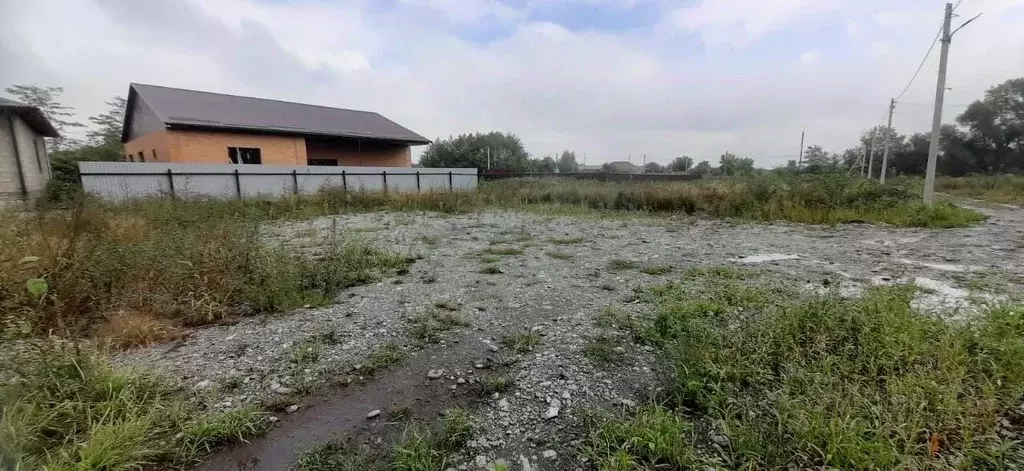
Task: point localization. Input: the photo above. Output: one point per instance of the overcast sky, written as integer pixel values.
(605, 78)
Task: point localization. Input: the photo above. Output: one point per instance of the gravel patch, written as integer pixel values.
(599, 263)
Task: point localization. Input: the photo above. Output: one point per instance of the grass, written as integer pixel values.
(384, 357)
(69, 409)
(503, 251)
(803, 381)
(522, 342)
(557, 255)
(1006, 189)
(420, 448)
(491, 269)
(567, 240)
(429, 325)
(651, 438)
(308, 352)
(619, 264)
(602, 350)
(490, 384)
(489, 259)
(447, 305)
(719, 273)
(656, 270)
(614, 318)
(133, 275)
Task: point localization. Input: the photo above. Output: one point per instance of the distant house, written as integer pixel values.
(165, 124)
(24, 163)
(589, 168)
(623, 166)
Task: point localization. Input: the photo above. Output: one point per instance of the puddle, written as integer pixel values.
(761, 258)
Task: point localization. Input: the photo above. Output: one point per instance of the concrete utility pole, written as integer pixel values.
(863, 161)
(940, 94)
(888, 137)
(488, 158)
(800, 160)
(871, 156)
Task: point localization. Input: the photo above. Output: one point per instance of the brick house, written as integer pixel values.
(165, 124)
(24, 163)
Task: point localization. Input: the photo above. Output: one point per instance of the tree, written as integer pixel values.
(680, 164)
(653, 167)
(702, 168)
(545, 165)
(46, 99)
(108, 125)
(471, 150)
(567, 162)
(995, 127)
(819, 161)
(730, 164)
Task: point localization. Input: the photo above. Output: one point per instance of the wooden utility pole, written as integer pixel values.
(888, 137)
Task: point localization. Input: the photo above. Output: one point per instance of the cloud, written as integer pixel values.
(703, 79)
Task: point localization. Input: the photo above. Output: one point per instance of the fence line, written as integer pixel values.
(130, 180)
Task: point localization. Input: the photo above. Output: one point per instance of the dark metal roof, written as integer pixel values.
(194, 109)
(31, 115)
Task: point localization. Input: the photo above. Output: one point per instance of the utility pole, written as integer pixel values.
(488, 157)
(888, 137)
(871, 155)
(800, 160)
(940, 95)
(863, 161)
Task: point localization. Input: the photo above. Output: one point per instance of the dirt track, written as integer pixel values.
(556, 297)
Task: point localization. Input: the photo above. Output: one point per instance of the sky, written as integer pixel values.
(609, 80)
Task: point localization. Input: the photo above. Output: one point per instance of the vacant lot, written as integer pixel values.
(524, 315)
(526, 326)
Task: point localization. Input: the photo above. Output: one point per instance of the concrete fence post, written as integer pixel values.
(344, 181)
(238, 184)
(417, 181)
(295, 182)
(384, 179)
(451, 181)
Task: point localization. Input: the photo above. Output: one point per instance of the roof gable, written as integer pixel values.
(32, 116)
(177, 107)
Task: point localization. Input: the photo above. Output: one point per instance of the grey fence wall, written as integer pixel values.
(123, 180)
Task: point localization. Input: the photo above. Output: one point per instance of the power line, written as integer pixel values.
(923, 60)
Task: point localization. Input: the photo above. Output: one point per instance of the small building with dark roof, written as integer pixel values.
(24, 163)
(164, 124)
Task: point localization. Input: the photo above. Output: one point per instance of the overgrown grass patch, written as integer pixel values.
(492, 383)
(1006, 189)
(491, 269)
(68, 409)
(429, 325)
(805, 381)
(133, 274)
(522, 342)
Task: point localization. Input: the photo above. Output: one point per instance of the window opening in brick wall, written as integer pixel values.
(245, 155)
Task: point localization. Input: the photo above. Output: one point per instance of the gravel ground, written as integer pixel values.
(555, 288)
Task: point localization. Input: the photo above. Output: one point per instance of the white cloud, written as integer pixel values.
(810, 57)
(605, 94)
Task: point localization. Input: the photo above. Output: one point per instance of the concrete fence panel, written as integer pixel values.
(125, 180)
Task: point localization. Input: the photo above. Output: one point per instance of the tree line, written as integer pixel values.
(988, 137)
(503, 152)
